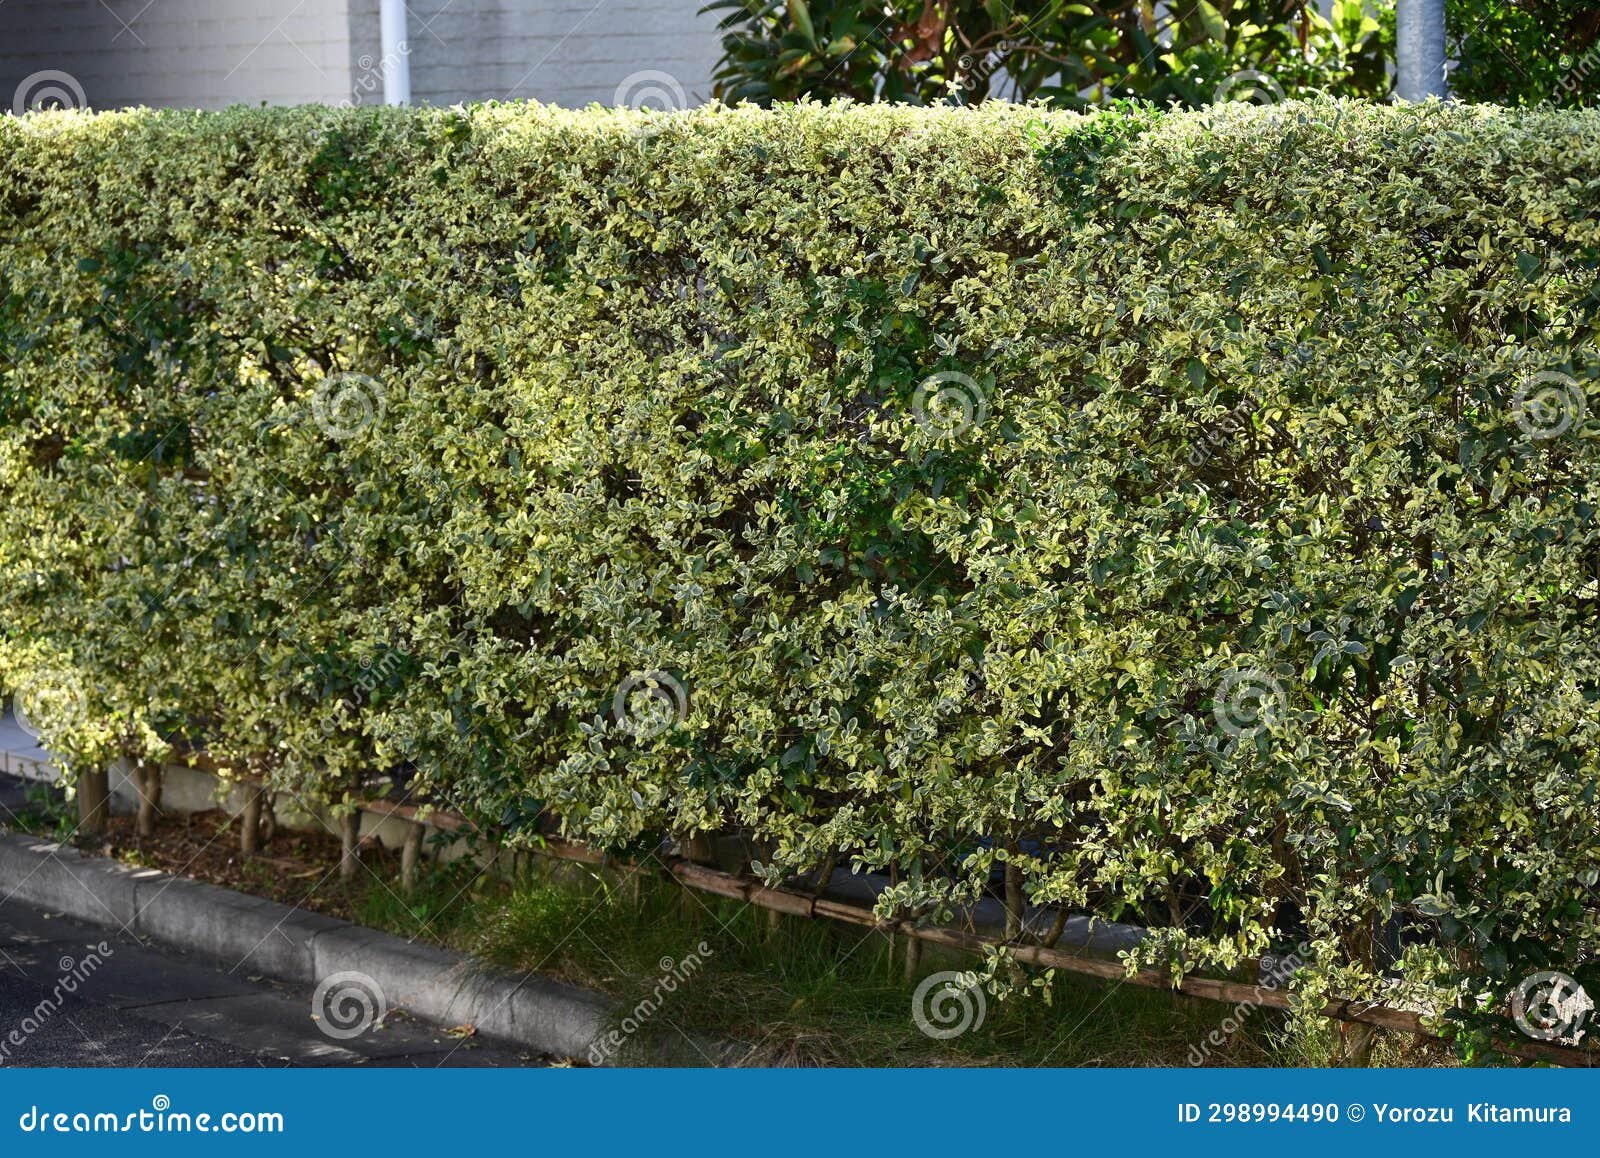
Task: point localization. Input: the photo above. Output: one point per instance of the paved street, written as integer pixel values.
(73, 1004)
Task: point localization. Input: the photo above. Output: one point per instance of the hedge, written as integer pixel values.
(1188, 518)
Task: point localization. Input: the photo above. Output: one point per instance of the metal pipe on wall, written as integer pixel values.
(396, 52)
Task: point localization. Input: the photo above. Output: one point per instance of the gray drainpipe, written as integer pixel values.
(396, 52)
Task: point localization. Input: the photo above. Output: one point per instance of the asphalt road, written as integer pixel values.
(73, 994)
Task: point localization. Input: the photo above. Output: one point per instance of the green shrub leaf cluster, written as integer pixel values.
(1188, 517)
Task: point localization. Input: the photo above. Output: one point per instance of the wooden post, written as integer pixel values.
(1355, 1038)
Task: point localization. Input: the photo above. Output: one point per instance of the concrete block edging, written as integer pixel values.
(260, 936)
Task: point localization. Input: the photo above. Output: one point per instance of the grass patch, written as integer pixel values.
(45, 813)
(800, 992)
(793, 991)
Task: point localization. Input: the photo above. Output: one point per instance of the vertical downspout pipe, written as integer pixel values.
(1419, 49)
(396, 52)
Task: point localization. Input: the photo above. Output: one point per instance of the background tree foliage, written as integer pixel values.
(1525, 53)
(1074, 55)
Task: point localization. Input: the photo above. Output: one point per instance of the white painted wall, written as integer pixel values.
(184, 53)
(566, 52)
(212, 53)
(184, 790)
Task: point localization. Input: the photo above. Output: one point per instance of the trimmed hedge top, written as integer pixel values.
(1192, 513)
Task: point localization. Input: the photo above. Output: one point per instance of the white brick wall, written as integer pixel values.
(210, 53)
(195, 53)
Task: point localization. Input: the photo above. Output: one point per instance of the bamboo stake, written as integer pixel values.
(1208, 988)
(421, 813)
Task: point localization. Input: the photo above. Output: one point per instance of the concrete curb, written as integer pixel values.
(260, 936)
